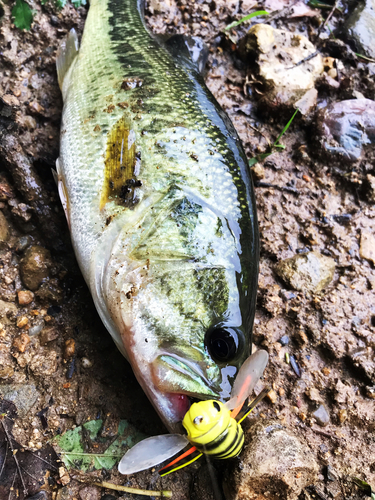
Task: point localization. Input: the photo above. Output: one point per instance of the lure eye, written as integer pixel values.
(223, 343)
(216, 406)
(198, 420)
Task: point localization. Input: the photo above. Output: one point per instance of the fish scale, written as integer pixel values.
(165, 231)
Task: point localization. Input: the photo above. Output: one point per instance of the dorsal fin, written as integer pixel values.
(66, 54)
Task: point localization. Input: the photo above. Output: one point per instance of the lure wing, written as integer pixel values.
(249, 374)
(150, 452)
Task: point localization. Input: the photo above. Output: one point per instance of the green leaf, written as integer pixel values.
(284, 130)
(60, 4)
(23, 15)
(73, 453)
(365, 486)
(246, 18)
(78, 3)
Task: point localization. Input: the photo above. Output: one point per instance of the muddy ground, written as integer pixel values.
(52, 341)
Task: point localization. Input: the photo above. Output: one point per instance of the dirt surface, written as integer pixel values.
(51, 339)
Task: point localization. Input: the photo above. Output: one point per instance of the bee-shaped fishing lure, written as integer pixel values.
(211, 426)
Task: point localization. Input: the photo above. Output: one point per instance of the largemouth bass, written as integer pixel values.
(159, 200)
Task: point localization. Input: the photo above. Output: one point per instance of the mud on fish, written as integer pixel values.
(159, 200)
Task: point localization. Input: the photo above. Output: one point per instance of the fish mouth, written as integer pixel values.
(176, 384)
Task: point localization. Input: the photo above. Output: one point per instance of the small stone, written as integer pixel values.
(48, 334)
(44, 364)
(282, 391)
(69, 348)
(7, 310)
(301, 337)
(272, 396)
(343, 415)
(86, 363)
(89, 493)
(22, 321)
(370, 188)
(50, 291)
(34, 266)
(326, 371)
(258, 171)
(270, 460)
(370, 392)
(360, 27)
(25, 297)
(307, 103)
(284, 340)
(302, 416)
(321, 416)
(21, 342)
(4, 228)
(314, 395)
(367, 247)
(23, 396)
(309, 271)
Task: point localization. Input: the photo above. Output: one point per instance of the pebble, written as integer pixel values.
(276, 52)
(22, 321)
(345, 127)
(360, 27)
(22, 395)
(86, 363)
(367, 246)
(44, 364)
(21, 342)
(343, 415)
(274, 459)
(321, 416)
(7, 310)
(25, 297)
(69, 348)
(36, 328)
(89, 493)
(284, 340)
(272, 396)
(48, 334)
(370, 392)
(309, 271)
(370, 188)
(34, 266)
(4, 228)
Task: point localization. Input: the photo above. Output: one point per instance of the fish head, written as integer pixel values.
(183, 317)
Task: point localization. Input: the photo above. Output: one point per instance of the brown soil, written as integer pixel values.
(331, 335)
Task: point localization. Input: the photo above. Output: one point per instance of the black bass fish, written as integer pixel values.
(158, 196)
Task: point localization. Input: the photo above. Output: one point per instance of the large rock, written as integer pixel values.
(277, 53)
(274, 464)
(345, 127)
(360, 27)
(309, 271)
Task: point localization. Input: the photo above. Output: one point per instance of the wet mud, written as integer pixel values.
(58, 364)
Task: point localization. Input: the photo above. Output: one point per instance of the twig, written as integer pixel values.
(311, 56)
(280, 13)
(135, 491)
(279, 188)
(45, 461)
(328, 18)
(25, 492)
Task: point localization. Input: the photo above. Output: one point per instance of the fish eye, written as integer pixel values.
(198, 420)
(216, 405)
(223, 343)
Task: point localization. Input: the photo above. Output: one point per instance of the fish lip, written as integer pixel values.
(190, 370)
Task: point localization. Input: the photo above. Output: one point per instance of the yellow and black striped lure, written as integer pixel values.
(211, 426)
